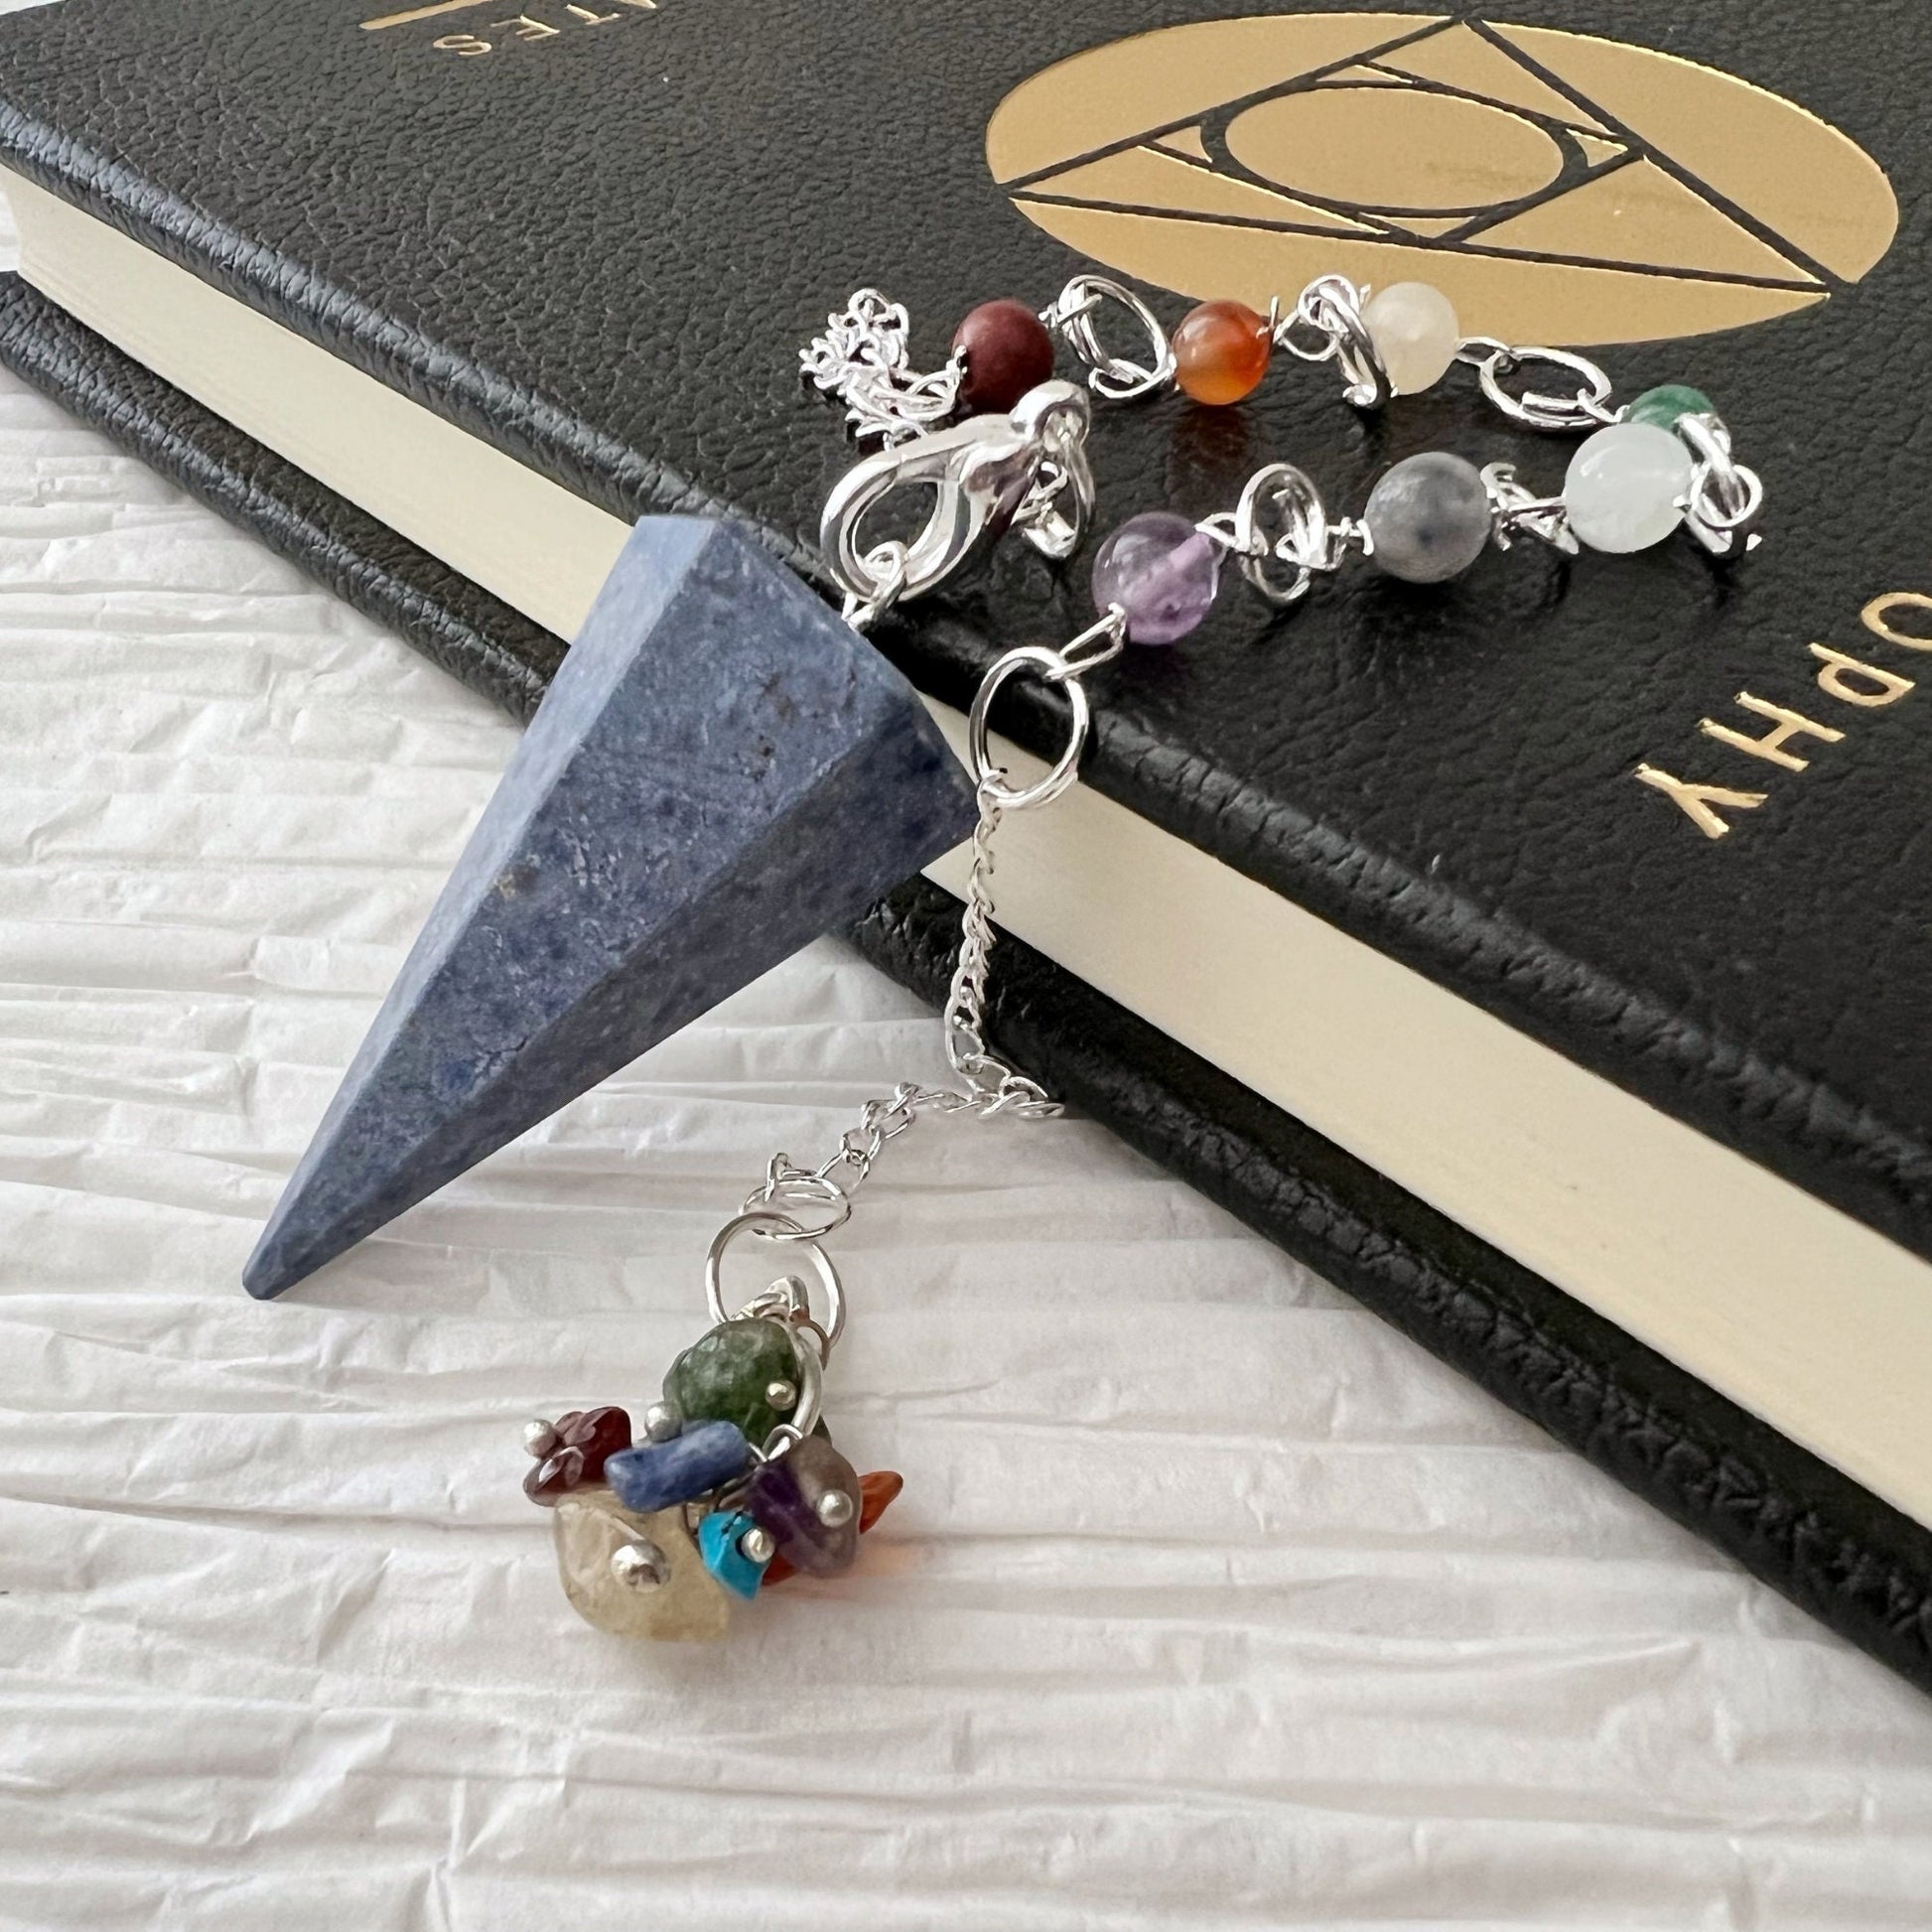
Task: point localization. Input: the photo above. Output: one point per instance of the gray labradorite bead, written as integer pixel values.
(722, 771)
(1428, 518)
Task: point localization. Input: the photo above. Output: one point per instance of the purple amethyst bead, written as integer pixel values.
(788, 1498)
(1161, 572)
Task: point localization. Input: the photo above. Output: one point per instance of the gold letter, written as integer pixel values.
(467, 46)
(526, 28)
(1697, 800)
(1771, 745)
(1875, 613)
(1887, 687)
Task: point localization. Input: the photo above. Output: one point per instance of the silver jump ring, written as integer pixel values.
(1332, 305)
(811, 1386)
(1305, 543)
(1586, 407)
(1066, 767)
(1115, 377)
(785, 1194)
(776, 1226)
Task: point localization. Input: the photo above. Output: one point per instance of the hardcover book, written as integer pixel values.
(1506, 949)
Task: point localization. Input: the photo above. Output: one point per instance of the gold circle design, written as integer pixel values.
(1394, 148)
(1557, 187)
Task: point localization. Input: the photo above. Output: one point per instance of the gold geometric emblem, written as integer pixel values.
(1557, 187)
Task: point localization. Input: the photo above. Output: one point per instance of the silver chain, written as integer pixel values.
(817, 1200)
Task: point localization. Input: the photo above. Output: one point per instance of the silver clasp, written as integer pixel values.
(1027, 470)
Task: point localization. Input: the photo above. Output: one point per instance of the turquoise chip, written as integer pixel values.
(720, 1536)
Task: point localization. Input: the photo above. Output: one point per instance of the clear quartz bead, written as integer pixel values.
(1416, 334)
(684, 1604)
(1627, 488)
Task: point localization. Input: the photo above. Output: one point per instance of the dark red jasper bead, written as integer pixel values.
(555, 1474)
(1007, 352)
(595, 1433)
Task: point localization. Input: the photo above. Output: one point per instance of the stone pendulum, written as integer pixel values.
(722, 770)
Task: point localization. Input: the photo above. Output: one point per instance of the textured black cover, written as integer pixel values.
(602, 251)
(1861, 1566)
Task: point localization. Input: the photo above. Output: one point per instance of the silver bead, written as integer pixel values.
(662, 1421)
(781, 1394)
(541, 1439)
(640, 1564)
(755, 1545)
(835, 1509)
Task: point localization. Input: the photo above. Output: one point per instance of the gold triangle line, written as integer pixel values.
(1372, 238)
(1492, 218)
(1424, 84)
(1354, 222)
(420, 12)
(1021, 182)
(1777, 243)
(1407, 238)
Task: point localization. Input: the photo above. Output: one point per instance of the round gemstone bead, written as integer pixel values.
(1428, 518)
(1663, 405)
(783, 1495)
(1161, 572)
(1222, 351)
(1414, 332)
(1626, 486)
(728, 1376)
(1007, 352)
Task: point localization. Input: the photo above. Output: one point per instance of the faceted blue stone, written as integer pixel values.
(657, 1475)
(722, 771)
(718, 1536)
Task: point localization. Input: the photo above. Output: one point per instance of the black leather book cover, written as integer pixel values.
(596, 235)
(1861, 1566)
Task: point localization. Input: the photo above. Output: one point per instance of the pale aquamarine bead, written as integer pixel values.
(1627, 488)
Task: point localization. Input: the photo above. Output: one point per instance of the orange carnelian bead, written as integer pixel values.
(1222, 351)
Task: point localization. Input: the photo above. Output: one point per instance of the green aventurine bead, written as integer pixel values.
(1663, 405)
(724, 1376)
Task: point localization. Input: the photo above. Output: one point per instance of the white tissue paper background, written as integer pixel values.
(1211, 1602)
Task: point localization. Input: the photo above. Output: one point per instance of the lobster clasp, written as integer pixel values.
(1026, 471)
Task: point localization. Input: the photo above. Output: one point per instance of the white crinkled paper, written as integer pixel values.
(1211, 1602)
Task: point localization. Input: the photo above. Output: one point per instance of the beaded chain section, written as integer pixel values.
(732, 1483)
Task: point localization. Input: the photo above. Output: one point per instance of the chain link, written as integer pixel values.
(818, 1200)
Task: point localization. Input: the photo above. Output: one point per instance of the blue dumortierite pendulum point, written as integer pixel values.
(722, 771)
